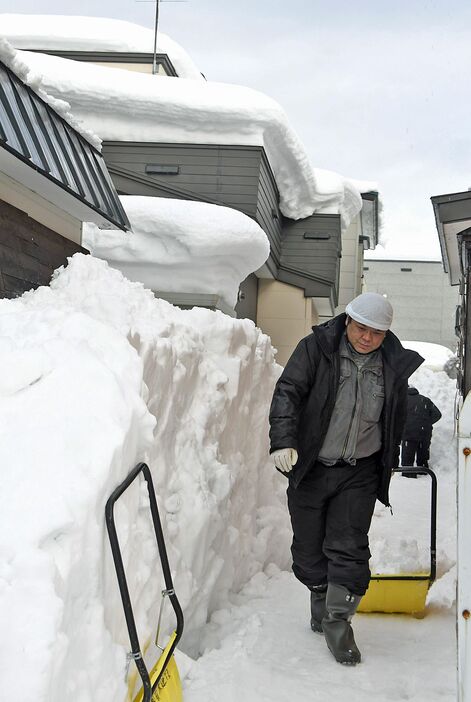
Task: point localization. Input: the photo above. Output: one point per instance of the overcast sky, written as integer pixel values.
(376, 89)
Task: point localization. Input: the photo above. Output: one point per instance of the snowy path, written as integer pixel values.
(269, 653)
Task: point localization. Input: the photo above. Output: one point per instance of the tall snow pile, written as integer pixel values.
(97, 374)
(182, 246)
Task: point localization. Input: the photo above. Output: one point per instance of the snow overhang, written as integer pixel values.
(39, 149)
(452, 217)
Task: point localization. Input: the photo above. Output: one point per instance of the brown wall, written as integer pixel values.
(29, 252)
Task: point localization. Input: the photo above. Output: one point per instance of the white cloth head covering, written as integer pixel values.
(371, 309)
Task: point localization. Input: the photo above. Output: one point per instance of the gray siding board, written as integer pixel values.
(316, 257)
(228, 156)
(204, 178)
(267, 204)
(193, 172)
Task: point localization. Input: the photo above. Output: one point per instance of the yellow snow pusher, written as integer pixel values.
(162, 683)
(405, 592)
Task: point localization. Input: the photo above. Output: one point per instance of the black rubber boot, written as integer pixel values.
(341, 605)
(318, 610)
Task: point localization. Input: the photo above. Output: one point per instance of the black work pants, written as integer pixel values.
(415, 452)
(331, 511)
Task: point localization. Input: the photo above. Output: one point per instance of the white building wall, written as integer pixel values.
(424, 302)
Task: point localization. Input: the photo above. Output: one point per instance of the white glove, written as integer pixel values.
(284, 459)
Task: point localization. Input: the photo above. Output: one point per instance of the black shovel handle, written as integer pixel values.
(433, 513)
(136, 652)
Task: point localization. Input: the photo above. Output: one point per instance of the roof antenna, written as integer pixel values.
(154, 60)
(156, 26)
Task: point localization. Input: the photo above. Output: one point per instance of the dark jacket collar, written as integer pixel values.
(403, 361)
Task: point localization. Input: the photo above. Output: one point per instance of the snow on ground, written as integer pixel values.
(267, 652)
(71, 33)
(96, 375)
(129, 106)
(182, 246)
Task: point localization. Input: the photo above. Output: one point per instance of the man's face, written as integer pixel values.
(364, 339)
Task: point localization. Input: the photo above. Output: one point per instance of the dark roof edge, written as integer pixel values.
(112, 57)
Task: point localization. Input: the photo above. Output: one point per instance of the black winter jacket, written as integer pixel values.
(421, 415)
(305, 394)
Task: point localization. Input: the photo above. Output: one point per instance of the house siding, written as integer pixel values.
(313, 246)
(29, 252)
(237, 177)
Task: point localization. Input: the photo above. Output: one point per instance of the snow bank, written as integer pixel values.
(96, 375)
(11, 58)
(437, 357)
(71, 33)
(182, 246)
(125, 106)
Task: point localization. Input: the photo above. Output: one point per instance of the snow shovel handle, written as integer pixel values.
(433, 514)
(136, 653)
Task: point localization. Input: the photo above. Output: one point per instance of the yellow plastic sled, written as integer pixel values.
(162, 684)
(406, 592)
(168, 688)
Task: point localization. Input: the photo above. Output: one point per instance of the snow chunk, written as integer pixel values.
(72, 33)
(182, 246)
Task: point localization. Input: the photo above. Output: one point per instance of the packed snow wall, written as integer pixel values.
(97, 375)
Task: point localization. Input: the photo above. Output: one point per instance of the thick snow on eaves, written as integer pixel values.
(181, 246)
(12, 59)
(341, 195)
(129, 106)
(69, 33)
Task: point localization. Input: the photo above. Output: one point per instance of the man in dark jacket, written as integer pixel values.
(417, 435)
(336, 419)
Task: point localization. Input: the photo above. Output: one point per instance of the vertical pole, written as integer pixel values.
(156, 26)
(463, 600)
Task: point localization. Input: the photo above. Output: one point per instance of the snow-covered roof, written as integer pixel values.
(11, 58)
(64, 32)
(178, 246)
(137, 107)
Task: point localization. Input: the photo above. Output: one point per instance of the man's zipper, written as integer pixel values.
(352, 417)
